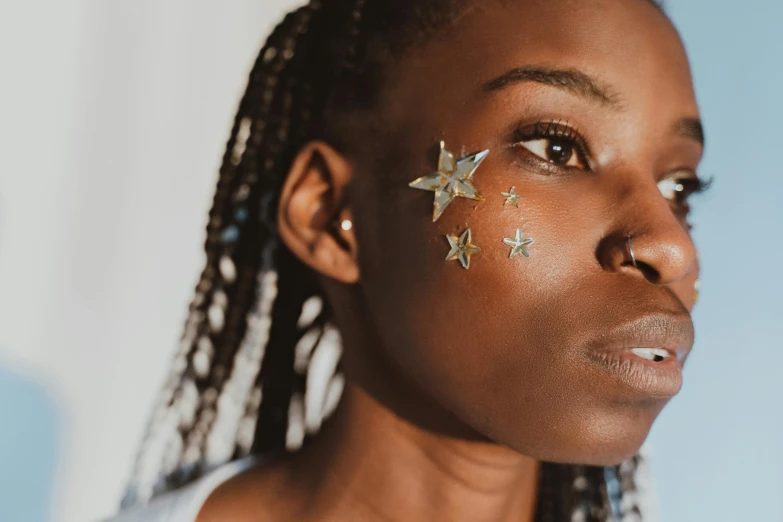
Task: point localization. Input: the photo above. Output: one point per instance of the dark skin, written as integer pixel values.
(460, 382)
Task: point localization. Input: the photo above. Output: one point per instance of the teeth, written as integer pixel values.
(652, 354)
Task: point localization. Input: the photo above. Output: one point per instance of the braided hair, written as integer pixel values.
(256, 368)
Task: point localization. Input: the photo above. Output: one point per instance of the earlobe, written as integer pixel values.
(313, 207)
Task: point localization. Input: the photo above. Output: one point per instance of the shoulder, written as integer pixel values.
(258, 494)
(184, 505)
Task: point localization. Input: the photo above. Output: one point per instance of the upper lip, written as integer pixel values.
(672, 332)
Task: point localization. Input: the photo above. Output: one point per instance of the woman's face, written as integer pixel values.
(588, 111)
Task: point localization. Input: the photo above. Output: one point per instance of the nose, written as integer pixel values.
(648, 238)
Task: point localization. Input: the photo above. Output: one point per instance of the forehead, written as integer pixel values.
(628, 45)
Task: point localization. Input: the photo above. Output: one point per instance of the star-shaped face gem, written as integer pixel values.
(462, 248)
(511, 197)
(453, 179)
(518, 245)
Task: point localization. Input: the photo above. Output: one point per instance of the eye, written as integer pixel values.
(679, 186)
(554, 142)
(671, 189)
(559, 151)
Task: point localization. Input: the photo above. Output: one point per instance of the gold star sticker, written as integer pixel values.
(453, 179)
(511, 197)
(462, 248)
(518, 245)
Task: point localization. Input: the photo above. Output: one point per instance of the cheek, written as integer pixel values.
(495, 344)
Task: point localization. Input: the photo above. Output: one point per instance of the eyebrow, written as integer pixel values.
(572, 80)
(690, 128)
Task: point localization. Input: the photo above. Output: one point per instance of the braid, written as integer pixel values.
(256, 370)
(232, 305)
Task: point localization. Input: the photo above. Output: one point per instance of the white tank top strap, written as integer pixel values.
(184, 505)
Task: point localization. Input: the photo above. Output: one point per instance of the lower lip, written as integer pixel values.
(653, 379)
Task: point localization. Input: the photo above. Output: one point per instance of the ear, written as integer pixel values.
(313, 205)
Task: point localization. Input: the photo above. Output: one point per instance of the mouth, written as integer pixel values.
(652, 354)
(647, 354)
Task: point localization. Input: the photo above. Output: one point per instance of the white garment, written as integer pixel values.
(184, 505)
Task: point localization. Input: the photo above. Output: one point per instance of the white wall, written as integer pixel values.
(113, 117)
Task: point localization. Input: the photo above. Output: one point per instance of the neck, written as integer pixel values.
(370, 464)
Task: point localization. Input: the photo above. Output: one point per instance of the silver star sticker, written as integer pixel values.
(518, 245)
(462, 248)
(511, 197)
(453, 179)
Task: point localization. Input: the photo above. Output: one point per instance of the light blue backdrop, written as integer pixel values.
(718, 446)
(29, 432)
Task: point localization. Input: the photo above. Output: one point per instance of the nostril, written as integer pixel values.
(650, 273)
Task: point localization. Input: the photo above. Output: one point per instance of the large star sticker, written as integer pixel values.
(518, 245)
(453, 179)
(462, 248)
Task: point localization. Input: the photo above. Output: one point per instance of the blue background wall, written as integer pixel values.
(29, 435)
(718, 447)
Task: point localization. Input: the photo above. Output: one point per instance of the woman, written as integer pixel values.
(483, 206)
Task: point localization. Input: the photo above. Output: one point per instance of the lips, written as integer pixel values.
(647, 353)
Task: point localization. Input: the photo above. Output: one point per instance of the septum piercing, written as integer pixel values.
(630, 252)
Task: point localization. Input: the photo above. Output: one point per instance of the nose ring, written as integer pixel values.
(630, 252)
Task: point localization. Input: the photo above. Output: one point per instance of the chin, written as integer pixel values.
(604, 438)
(616, 434)
(608, 450)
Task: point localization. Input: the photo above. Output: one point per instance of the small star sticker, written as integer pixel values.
(453, 179)
(511, 197)
(462, 248)
(518, 245)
